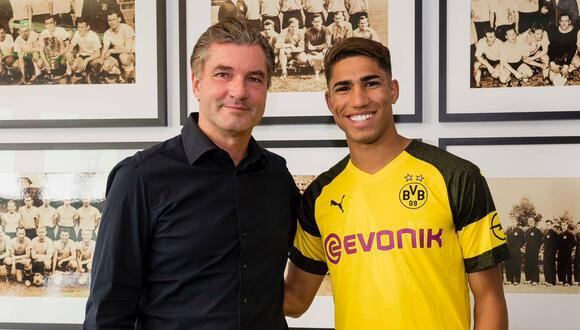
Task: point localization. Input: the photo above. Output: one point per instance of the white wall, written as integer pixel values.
(537, 312)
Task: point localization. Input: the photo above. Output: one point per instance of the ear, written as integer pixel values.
(328, 99)
(195, 85)
(394, 91)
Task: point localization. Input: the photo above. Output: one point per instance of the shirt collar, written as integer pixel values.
(196, 143)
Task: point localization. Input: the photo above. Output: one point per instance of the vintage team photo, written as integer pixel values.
(301, 31)
(541, 218)
(44, 42)
(525, 43)
(49, 224)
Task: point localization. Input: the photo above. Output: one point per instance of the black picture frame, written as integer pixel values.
(157, 110)
(487, 113)
(415, 117)
(482, 141)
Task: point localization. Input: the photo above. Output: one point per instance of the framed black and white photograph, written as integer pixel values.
(300, 32)
(306, 159)
(61, 186)
(535, 183)
(109, 56)
(496, 53)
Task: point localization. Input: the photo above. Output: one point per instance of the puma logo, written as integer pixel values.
(334, 203)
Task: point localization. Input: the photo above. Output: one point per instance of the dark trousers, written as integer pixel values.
(526, 20)
(513, 268)
(30, 233)
(565, 268)
(550, 268)
(577, 264)
(531, 267)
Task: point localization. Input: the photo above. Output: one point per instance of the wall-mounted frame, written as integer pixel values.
(305, 160)
(37, 161)
(308, 106)
(544, 170)
(57, 171)
(459, 102)
(139, 103)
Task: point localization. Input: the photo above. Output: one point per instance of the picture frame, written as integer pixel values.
(521, 157)
(141, 103)
(544, 170)
(321, 155)
(54, 310)
(310, 107)
(459, 102)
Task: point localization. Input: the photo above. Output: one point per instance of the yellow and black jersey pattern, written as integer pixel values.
(398, 243)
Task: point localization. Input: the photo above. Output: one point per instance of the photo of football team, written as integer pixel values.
(541, 220)
(47, 245)
(301, 31)
(524, 43)
(44, 42)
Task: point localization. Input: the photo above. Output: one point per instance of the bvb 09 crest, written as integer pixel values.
(414, 194)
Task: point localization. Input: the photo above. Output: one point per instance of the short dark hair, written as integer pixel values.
(82, 20)
(268, 22)
(488, 29)
(315, 16)
(550, 221)
(52, 17)
(536, 26)
(351, 47)
(230, 31)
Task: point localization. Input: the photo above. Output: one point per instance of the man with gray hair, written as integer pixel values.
(196, 230)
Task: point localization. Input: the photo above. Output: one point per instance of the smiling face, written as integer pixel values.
(231, 90)
(360, 97)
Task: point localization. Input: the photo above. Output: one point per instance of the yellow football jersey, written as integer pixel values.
(398, 243)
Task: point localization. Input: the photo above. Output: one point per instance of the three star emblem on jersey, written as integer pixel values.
(414, 194)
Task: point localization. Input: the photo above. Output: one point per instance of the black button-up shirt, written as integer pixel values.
(190, 241)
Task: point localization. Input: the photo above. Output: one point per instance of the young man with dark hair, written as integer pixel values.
(566, 242)
(291, 46)
(96, 12)
(512, 61)
(118, 54)
(7, 56)
(549, 257)
(195, 231)
(317, 41)
(399, 224)
(534, 241)
(563, 49)
(487, 56)
(535, 46)
(84, 51)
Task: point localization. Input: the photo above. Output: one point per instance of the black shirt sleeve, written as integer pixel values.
(121, 248)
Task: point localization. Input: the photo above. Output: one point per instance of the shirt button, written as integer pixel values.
(244, 266)
(245, 300)
(244, 235)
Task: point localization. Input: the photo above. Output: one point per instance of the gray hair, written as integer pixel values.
(230, 31)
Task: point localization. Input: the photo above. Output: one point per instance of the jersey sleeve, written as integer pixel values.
(307, 252)
(478, 226)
